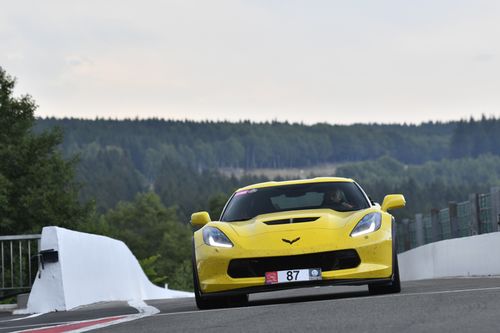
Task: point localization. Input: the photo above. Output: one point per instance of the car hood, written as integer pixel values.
(261, 237)
(300, 220)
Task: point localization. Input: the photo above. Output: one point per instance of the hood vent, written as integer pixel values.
(292, 220)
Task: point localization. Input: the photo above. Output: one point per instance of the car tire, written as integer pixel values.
(214, 302)
(394, 286)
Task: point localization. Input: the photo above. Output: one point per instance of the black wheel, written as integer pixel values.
(394, 286)
(214, 302)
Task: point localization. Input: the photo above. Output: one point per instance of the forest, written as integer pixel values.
(180, 160)
(208, 144)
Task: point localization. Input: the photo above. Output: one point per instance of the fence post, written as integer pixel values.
(452, 206)
(406, 234)
(419, 230)
(474, 206)
(495, 208)
(436, 227)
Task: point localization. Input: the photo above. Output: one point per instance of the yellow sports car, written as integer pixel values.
(290, 234)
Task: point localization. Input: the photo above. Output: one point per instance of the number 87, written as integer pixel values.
(290, 277)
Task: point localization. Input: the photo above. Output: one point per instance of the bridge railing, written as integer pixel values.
(478, 215)
(19, 262)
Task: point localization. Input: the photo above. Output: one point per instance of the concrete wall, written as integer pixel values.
(467, 256)
(90, 269)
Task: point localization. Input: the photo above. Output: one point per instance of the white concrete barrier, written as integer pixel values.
(467, 256)
(90, 269)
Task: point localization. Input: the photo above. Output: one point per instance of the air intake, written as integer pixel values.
(292, 220)
(327, 261)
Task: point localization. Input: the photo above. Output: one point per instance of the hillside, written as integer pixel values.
(253, 145)
(187, 162)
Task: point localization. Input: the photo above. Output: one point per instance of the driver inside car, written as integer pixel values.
(336, 198)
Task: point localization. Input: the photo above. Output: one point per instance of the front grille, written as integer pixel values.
(292, 220)
(327, 261)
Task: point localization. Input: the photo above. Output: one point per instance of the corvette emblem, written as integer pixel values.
(290, 241)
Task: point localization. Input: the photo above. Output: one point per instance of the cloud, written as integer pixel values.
(484, 57)
(332, 61)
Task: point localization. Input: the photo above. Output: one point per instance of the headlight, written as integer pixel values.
(369, 223)
(214, 237)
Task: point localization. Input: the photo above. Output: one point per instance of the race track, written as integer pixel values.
(444, 305)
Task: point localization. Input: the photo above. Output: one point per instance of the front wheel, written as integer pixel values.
(392, 287)
(214, 302)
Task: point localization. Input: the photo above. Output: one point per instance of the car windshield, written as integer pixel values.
(339, 196)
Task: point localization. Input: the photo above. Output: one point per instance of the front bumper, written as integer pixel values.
(295, 285)
(374, 251)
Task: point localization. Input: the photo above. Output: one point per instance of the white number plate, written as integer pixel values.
(293, 275)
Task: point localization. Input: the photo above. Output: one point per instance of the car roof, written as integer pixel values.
(296, 182)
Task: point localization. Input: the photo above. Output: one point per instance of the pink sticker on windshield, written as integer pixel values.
(245, 192)
(241, 193)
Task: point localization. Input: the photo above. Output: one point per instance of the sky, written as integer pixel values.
(308, 61)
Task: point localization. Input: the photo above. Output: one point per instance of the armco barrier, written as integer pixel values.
(79, 269)
(466, 256)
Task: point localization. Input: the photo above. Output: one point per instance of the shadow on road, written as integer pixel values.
(308, 298)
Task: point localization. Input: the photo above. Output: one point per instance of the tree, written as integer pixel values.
(216, 205)
(112, 172)
(153, 233)
(37, 186)
(4, 190)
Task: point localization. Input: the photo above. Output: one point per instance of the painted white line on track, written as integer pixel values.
(338, 299)
(37, 325)
(26, 317)
(144, 310)
(48, 326)
(446, 291)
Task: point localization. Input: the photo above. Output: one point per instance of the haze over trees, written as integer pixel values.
(426, 186)
(473, 138)
(205, 145)
(180, 160)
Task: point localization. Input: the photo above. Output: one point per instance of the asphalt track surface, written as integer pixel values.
(442, 305)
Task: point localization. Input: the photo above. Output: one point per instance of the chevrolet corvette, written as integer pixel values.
(291, 234)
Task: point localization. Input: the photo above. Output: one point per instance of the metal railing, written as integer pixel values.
(479, 215)
(484, 213)
(19, 261)
(427, 229)
(464, 212)
(444, 222)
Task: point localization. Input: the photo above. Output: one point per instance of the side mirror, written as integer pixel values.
(199, 219)
(393, 201)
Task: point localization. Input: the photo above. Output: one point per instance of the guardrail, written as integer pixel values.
(19, 261)
(478, 215)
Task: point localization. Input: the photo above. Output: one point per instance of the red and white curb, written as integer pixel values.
(93, 324)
